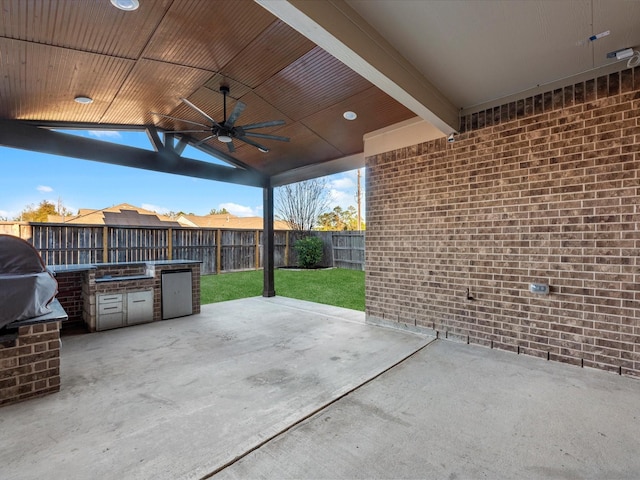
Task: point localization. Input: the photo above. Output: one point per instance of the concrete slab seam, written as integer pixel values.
(315, 412)
(315, 312)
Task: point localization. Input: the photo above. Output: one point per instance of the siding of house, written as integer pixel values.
(543, 190)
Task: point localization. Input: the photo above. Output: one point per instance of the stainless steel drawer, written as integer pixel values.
(106, 321)
(109, 308)
(109, 298)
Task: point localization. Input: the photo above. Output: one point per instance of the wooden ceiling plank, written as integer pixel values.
(88, 26)
(337, 28)
(205, 34)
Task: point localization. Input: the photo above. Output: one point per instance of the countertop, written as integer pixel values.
(93, 266)
(56, 313)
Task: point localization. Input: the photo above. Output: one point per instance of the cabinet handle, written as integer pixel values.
(138, 301)
(110, 308)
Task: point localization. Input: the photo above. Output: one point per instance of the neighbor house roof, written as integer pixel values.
(121, 215)
(227, 220)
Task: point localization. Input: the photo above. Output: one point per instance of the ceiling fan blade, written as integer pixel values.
(251, 142)
(179, 119)
(231, 147)
(187, 131)
(200, 112)
(271, 123)
(267, 136)
(203, 140)
(237, 110)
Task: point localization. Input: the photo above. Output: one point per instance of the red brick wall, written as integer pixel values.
(542, 190)
(30, 364)
(70, 295)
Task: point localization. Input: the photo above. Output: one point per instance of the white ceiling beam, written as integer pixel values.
(341, 31)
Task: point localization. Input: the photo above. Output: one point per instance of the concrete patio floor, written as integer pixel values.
(281, 388)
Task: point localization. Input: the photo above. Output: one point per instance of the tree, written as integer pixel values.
(222, 211)
(42, 211)
(338, 219)
(175, 215)
(300, 204)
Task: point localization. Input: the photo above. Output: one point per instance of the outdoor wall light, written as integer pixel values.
(126, 5)
(451, 138)
(83, 100)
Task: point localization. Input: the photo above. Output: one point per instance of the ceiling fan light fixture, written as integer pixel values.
(126, 5)
(349, 115)
(225, 138)
(263, 150)
(83, 100)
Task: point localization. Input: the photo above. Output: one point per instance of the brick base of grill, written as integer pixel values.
(29, 361)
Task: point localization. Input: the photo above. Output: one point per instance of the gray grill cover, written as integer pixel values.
(26, 287)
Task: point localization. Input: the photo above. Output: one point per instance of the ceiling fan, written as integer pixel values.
(226, 131)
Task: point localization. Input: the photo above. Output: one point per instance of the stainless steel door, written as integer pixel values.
(176, 294)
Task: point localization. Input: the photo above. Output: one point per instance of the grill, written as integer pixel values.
(26, 287)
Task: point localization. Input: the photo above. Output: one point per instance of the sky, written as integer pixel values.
(28, 178)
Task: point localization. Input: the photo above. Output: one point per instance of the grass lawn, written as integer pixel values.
(336, 286)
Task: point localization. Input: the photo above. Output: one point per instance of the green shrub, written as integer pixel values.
(309, 250)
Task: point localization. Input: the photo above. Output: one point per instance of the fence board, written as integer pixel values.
(348, 250)
(196, 244)
(69, 244)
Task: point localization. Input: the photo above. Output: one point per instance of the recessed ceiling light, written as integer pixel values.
(84, 100)
(126, 5)
(263, 150)
(350, 115)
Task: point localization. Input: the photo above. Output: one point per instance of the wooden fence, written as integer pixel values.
(219, 250)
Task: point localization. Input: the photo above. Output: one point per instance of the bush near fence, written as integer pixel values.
(219, 250)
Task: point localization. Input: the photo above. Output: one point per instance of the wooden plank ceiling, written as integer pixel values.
(134, 63)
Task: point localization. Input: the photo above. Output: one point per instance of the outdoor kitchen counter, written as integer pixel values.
(57, 314)
(80, 285)
(83, 267)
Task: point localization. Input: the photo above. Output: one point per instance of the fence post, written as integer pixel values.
(170, 244)
(105, 244)
(257, 255)
(25, 232)
(218, 250)
(286, 248)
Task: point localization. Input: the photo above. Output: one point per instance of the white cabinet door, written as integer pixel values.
(139, 307)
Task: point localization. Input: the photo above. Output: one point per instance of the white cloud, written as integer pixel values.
(104, 134)
(155, 208)
(343, 183)
(340, 197)
(44, 189)
(238, 210)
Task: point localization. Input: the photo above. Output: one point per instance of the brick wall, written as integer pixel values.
(195, 286)
(30, 362)
(70, 296)
(542, 190)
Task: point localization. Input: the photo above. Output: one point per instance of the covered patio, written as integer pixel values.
(281, 388)
(501, 142)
